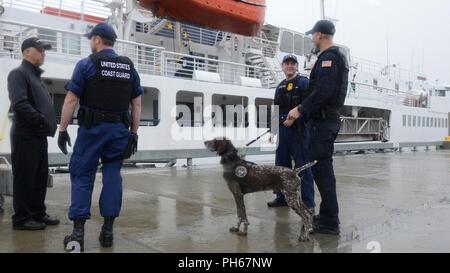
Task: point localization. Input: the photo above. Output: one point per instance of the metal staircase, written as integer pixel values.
(268, 78)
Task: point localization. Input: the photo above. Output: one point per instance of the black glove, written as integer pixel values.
(63, 139)
(131, 147)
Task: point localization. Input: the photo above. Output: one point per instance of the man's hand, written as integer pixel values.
(288, 123)
(294, 114)
(63, 139)
(132, 146)
(134, 141)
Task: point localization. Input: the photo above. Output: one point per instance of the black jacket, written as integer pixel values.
(30, 101)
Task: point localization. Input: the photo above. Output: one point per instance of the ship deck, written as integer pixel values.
(400, 201)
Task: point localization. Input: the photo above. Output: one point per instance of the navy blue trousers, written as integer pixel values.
(106, 141)
(293, 145)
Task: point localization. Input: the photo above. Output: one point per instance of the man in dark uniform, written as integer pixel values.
(34, 120)
(328, 90)
(290, 93)
(106, 84)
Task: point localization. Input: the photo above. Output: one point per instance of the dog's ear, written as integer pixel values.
(221, 146)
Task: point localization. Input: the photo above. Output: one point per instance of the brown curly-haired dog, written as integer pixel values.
(245, 177)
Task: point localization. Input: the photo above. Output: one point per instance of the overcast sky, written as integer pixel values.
(417, 32)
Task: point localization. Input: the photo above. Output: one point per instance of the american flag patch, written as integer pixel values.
(327, 63)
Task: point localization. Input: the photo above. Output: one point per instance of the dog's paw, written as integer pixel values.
(234, 230)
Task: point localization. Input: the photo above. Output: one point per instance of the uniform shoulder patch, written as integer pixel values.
(327, 64)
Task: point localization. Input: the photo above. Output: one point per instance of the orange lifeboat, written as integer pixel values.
(245, 17)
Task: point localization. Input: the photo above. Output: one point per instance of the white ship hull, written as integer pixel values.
(371, 95)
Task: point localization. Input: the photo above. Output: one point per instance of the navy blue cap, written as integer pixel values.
(290, 57)
(324, 27)
(103, 30)
(36, 43)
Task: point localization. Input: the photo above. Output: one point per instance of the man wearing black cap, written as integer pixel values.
(290, 93)
(105, 84)
(34, 120)
(328, 89)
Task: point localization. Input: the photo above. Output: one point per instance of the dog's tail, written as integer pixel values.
(305, 167)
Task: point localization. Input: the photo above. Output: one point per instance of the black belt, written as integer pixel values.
(107, 117)
(92, 118)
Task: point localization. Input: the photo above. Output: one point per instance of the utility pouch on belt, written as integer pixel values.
(84, 117)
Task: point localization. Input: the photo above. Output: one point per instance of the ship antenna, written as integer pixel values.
(322, 9)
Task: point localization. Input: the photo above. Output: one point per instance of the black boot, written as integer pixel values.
(76, 236)
(106, 235)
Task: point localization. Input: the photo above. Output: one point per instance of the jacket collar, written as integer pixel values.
(36, 70)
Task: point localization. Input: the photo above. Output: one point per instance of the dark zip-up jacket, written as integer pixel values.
(30, 101)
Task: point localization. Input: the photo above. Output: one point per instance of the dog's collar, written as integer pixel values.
(229, 153)
(230, 156)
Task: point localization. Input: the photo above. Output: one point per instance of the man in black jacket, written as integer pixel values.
(34, 120)
(328, 85)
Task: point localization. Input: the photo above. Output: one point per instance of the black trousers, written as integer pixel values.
(323, 135)
(30, 174)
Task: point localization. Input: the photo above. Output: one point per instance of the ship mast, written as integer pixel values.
(322, 9)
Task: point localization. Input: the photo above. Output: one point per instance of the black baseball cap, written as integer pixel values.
(324, 27)
(103, 30)
(36, 43)
(290, 57)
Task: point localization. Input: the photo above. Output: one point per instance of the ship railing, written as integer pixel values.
(63, 8)
(390, 71)
(361, 126)
(185, 66)
(380, 94)
(269, 48)
(202, 35)
(69, 46)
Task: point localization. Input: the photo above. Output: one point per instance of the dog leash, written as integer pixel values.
(258, 138)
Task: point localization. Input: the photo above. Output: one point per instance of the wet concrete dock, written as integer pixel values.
(394, 202)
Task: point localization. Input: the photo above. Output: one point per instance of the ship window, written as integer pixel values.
(58, 101)
(435, 122)
(71, 44)
(423, 121)
(404, 120)
(287, 42)
(409, 121)
(414, 121)
(439, 123)
(397, 86)
(419, 119)
(229, 111)
(428, 121)
(189, 109)
(446, 123)
(263, 112)
(309, 46)
(199, 64)
(150, 110)
(432, 122)
(213, 66)
(299, 48)
(48, 36)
